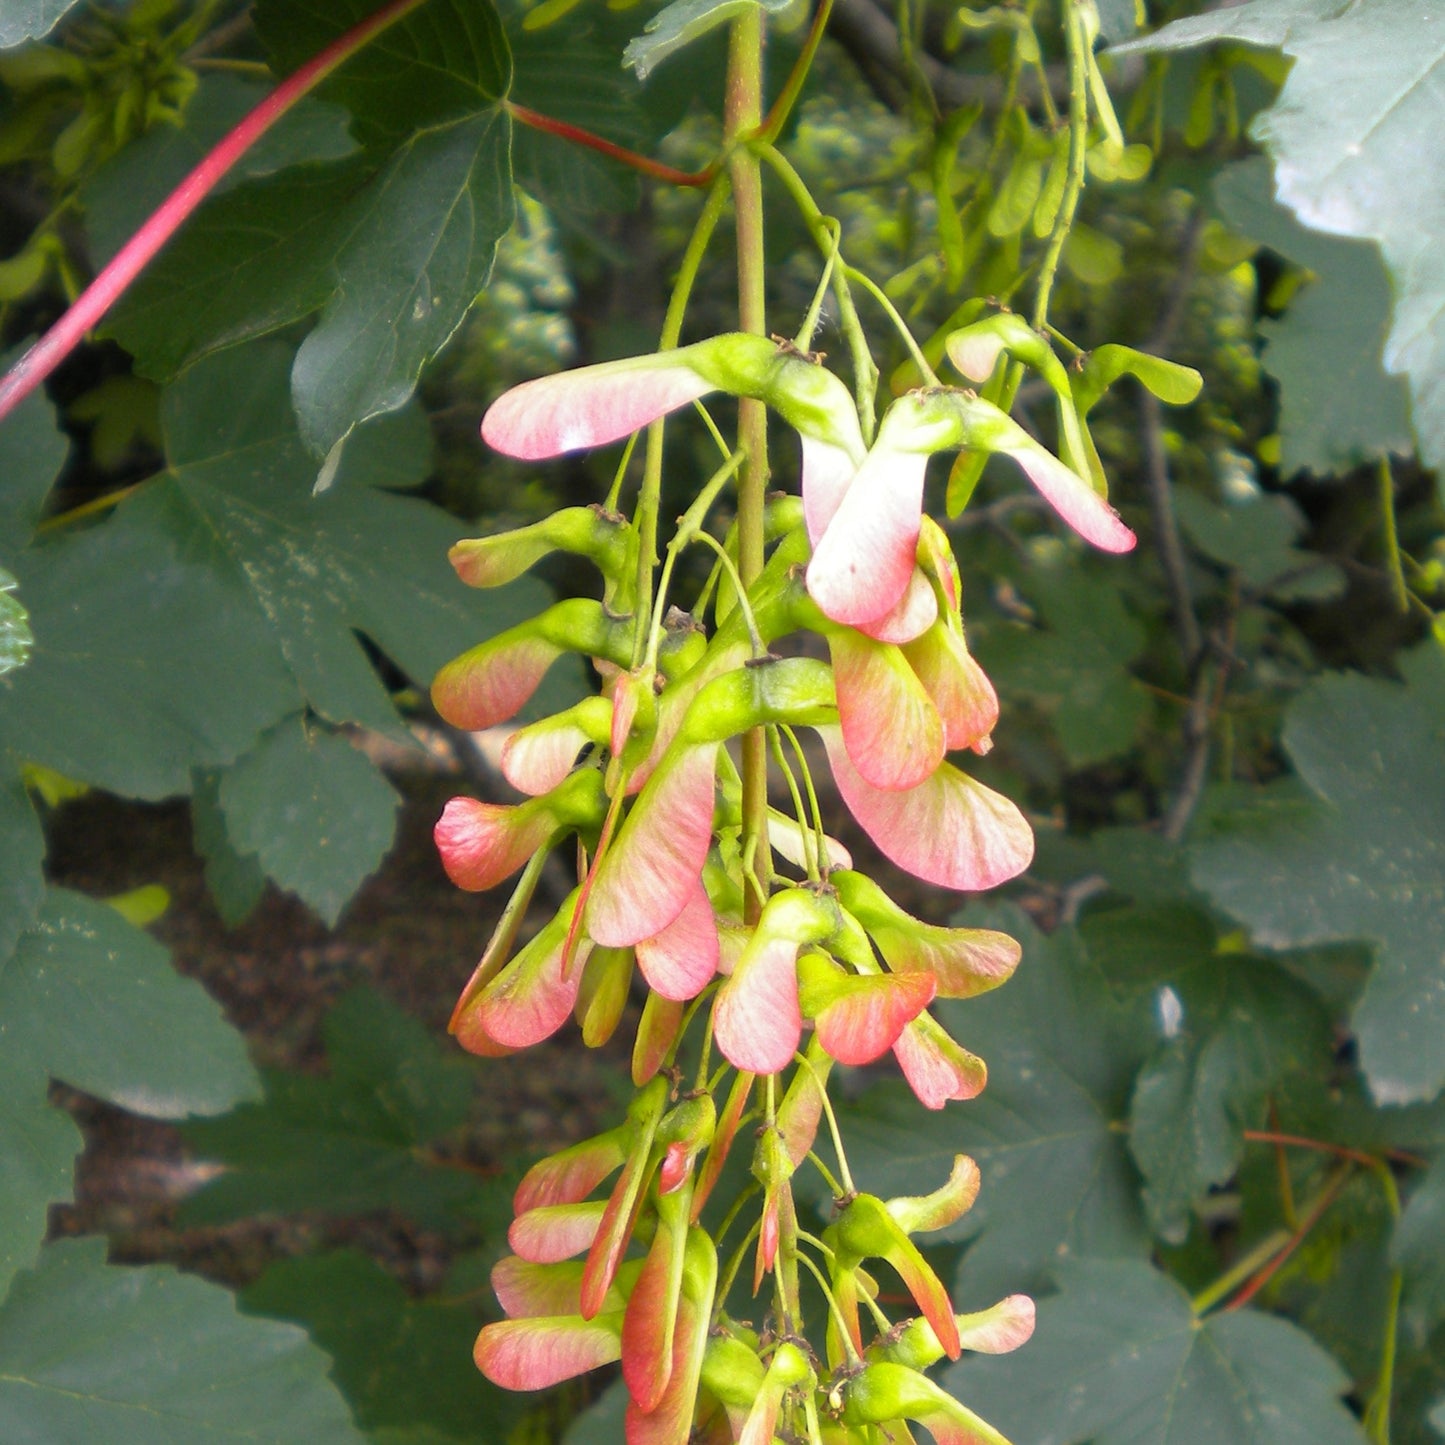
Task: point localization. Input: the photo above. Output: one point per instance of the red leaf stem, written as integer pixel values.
(136, 254)
(1312, 1217)
(649, 167)
(1321, 1146)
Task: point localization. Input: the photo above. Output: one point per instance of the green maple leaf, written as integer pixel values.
(1073, 667)
(78, 1002)
(1332, 417)
(79, 1360)
(390, 246)
(1120, 1358)
(1360, 855)
(1047, 1132)
(352, 1141)
(1355, 168)
(1233, 1028)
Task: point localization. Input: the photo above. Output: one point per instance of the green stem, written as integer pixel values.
(865, 372)
(1310, 1217)
(787, 97)
(930, 377)
(833, 1308)
(825, 858)
(1393, 561)
(742, 117)
(689, 530)
(755, 637)
(1078, 151)
(849, 1189)
(649, 496)
(811, 862)
(1377, 1411)
(1240, 1271)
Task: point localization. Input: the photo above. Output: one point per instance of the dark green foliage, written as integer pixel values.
(1260, 956)
(360, 1139)
(91, 1351)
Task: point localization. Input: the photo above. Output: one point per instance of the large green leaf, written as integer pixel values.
(22, 850)
(1047, 1132)
(403, 1362)
(1418, 1244)
(22, 20)
(391, 246)
(1254, 537)
(119, 197)
(351, 1142)
(1120, 1358)
(146, 662)
(313, 811)
(1356, 140)
(38, 1145)
(313, 569)
(1232, 1028)
(16, 638)
(1073, 667)
(413, 253)
(574, 79)
(94, 1001)
(32, 448)
(92, 1352)
(448, 59)
(1338, 406)
(1363, 859)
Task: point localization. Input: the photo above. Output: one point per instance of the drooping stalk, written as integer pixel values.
(742, 115)
(137, 253)
(650, 494)
(1078, 152)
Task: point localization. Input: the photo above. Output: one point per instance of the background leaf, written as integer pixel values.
(1073, 667)
(153, 1357)
(22, 850)
(1417, 1245)
(1352, 170)
(391, 246)
(1253, 537)
(312, 810)
(403, 1362)
(1338, 405)
(24, 20)
(1120, 1357)
(38, 1145)
(351, 1142)
(1365, 861)
(16, 638)
(77, 1003)
(1046, 1132)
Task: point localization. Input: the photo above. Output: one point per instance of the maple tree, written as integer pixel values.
(1210, 1151)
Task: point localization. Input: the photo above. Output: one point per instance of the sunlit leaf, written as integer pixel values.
(1338, 406)
(80, 1001)
(23, 20)
(1355, 170)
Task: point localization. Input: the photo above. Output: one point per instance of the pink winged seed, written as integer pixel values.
(573, 410)
(950, 830)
